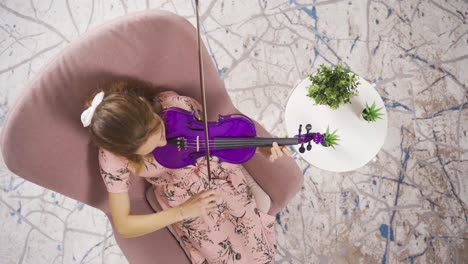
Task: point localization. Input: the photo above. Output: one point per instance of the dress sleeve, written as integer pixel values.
(114, 172)
(173, 99)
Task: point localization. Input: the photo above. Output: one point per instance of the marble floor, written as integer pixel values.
(409, 206)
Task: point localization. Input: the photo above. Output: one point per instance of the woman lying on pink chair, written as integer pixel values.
(226, 223)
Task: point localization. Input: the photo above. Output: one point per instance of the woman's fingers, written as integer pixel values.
(212, 206)
(273, 154)
(209, 193)
(286, 150)
(212, 199)
(279, 150)
(276, 150)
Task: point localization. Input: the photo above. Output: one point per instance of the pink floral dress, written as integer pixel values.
(236, 232)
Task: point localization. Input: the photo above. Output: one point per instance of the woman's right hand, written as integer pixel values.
(200, 204)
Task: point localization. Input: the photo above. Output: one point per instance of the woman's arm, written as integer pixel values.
(137, 225)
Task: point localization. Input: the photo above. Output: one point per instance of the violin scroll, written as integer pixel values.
(307, 138)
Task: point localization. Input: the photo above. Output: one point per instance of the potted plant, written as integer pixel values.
(330, 139)
(371, 113)
(333, 86)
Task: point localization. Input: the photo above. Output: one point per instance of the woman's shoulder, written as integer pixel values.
(166, 94)
(109, 161)
(107, 158)
(114, 171)
(171, 96)
(172, 99)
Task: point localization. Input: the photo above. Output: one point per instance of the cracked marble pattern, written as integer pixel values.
(410, 206)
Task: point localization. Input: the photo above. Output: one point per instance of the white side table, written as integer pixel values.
(359, 141)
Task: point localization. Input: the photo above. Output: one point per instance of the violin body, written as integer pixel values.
(232, 139)
(185, 139)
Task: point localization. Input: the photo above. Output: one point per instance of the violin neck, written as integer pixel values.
(230, 143)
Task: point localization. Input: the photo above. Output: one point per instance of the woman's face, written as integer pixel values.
(157, 139)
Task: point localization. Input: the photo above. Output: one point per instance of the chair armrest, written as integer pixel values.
(281, 179)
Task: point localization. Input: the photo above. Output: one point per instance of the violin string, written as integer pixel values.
(233, 143)
(243, 140)
(237, 143)
(193, 145)
(228, 145)
(227, 141)
(214, 147)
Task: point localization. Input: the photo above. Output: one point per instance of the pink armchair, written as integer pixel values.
(44, 142)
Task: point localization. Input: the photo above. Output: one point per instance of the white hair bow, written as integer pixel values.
(87, 114)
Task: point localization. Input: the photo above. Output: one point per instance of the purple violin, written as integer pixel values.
(232, 139)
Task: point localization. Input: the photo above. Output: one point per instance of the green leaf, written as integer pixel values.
(371, 113)
(334, 86)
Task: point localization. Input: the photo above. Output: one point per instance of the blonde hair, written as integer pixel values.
(123, 122)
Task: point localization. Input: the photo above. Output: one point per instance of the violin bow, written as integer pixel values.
(202, 85)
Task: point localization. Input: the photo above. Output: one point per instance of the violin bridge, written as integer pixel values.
(198, 143)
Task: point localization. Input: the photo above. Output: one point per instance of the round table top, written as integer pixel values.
(359, 140)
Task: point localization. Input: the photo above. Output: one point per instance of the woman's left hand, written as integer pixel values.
(274, 152)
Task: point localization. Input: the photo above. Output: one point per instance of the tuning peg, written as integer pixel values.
(300, 127)
(309, 146)
(302, 149)
(308, 128)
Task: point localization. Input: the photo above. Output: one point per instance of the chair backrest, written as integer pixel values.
(43, 139)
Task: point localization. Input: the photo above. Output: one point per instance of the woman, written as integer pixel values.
(225, 224)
